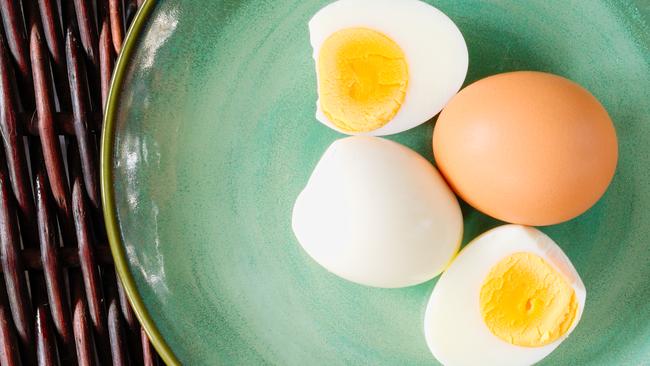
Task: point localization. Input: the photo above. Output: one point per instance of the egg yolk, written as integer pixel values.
(362, 79)
(526, 302)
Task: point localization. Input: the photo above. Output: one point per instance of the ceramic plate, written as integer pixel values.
(210, 136)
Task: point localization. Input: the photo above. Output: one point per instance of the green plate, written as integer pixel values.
(210, 135)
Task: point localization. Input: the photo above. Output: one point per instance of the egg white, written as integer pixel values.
(435, 51)
(377, 213)
(454, 328)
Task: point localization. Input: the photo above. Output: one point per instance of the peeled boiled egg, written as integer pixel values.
(526, 147)
(384, 66)
(377, 213)
(509, 298)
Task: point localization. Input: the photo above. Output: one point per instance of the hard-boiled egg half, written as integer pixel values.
(509, 298)
(384, 66)
(377, 213)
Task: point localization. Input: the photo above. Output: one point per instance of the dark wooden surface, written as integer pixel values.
(60, 300)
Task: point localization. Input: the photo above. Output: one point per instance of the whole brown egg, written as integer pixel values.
(526, 147)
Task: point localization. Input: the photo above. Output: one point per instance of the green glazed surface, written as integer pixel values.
(211, 135)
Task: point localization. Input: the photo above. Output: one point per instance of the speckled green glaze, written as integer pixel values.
(214, 137)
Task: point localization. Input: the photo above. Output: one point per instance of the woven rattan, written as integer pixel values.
(60, 300)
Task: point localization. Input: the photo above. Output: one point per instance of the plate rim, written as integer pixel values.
(108, 191)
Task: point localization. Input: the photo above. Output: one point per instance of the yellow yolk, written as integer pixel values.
(526, 302)
(362, 79)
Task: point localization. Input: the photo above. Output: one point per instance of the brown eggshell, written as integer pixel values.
(526, 147)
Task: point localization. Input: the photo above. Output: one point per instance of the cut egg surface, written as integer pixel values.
(377, 213)
(384, 66)
(509, 298)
